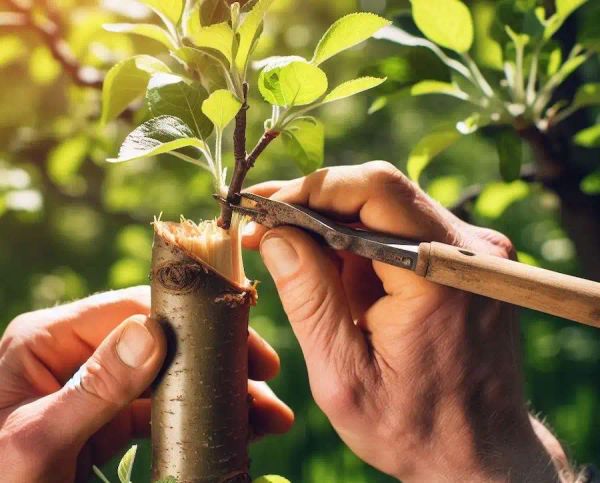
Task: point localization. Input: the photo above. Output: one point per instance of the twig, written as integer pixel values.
(243, 161)
(50, 32)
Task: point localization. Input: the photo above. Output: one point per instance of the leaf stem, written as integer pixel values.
(482, 83)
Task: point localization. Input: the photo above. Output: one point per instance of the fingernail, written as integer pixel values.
(279, 256)
(135, 344)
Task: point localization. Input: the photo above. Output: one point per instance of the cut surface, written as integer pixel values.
(218, 248)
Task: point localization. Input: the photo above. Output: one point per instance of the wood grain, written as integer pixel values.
(554, 293)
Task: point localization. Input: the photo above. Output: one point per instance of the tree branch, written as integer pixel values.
(50, 32)
(243, 160)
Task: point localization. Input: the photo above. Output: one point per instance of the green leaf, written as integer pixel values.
(221, 107)
(567, 7)
(249, 32)
(304, 139)
(590, 185)
(66, 158)
(352, 87)
(587, 95)
(218, 37)
(170, 95)
(147, 30)
(446, 22)
(497, 197)
(169, 9)
(168, 479)
(271, 479)
(564, 8)
(510, 153)
(347, 32)
(157, 136)
(126, 81)
(100, 475)
(290, 82)
(589, 138)
(126, 465)
(437, 87)
(428, 148)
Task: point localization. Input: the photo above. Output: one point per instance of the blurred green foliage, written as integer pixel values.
(72, 224)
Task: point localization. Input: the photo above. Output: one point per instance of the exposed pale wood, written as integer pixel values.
(519, 284)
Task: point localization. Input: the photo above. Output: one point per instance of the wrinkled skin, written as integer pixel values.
(421, 381)
(53, 426)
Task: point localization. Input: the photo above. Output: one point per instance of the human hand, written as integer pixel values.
(54, 425)
(420, 380)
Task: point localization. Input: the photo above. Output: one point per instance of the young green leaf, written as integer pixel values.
(347, 32)
(249, 31)
(221, 107)
(510, 153)
(168, 479)
(157, 136)
(352, 87)
(147, 30)
(304, 139)
(497, 197)
(126, 81)
(169, 9)
(170, 95)
(437, 87)
(218, 36)
(295, 83)
(99, 474)
(589, 138)
(446, 22)
(428, 148)
(564, 8)
(126, 465)
(271, 479)
(587, 95)
(590, 185)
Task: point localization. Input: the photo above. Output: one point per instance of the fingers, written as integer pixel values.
(311, 291)
(268, 414)
(120, 369)
(64, 337)
(263, 361)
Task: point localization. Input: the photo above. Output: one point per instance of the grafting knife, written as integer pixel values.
(551, 292)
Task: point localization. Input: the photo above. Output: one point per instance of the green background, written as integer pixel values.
(71, 225)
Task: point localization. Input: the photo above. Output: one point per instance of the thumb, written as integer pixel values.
(121, 368)
(314, 300)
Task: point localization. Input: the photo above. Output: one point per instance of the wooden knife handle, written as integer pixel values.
(513, 282)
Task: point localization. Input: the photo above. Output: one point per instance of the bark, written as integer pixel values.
(200, 399)
(580, 213)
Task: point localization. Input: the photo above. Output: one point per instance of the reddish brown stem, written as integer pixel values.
(239, 175)
(50, 32)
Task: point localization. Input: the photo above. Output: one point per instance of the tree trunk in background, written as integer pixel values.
(200, 400)
(580, 213)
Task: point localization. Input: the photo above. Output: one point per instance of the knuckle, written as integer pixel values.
(384, 175)
(500, 245)
(98, 380)
(305, 300)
